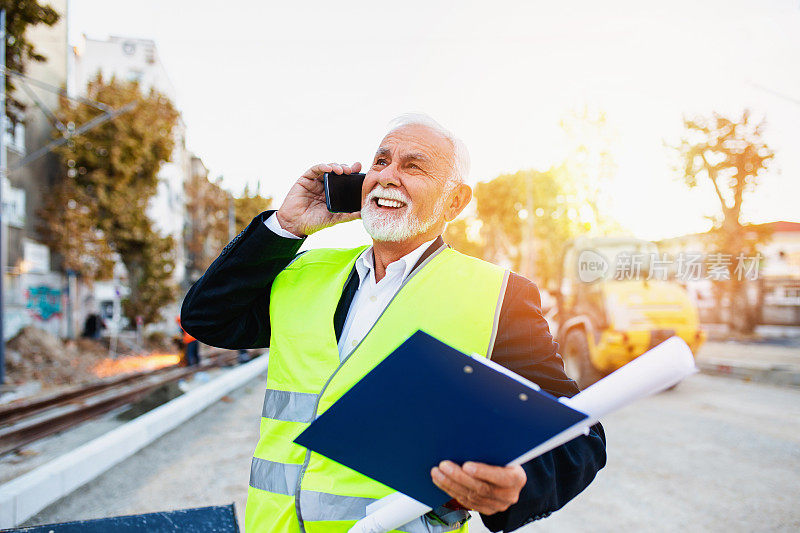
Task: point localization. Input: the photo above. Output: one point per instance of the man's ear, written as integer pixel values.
(461, 197)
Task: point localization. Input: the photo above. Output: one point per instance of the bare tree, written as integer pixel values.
(731, 155)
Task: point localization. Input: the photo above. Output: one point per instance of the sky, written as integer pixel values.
(267, 89)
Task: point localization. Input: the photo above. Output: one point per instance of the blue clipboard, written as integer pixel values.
(427, 402)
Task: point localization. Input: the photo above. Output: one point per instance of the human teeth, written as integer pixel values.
(383, 202)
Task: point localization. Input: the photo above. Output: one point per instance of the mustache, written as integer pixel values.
(379, 191)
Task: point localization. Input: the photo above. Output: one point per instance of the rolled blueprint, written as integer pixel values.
(652, 372)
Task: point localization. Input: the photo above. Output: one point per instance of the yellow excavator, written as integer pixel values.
(616, 300)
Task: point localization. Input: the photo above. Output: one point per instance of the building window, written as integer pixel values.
(134, 75)
(14, 138)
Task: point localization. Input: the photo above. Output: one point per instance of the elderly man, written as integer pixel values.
(330, 315)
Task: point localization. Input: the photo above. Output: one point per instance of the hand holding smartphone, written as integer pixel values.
(343, 192)
(305, 210)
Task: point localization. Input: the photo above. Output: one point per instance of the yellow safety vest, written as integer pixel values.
(454, 297)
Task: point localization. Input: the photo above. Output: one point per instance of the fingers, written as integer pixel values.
(317, 171)
(508, 476)
(346, 217)
(476, 492)
(345, 169)
(451, 476)
(469, 493)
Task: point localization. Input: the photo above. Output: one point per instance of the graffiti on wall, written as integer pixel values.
(43, 302)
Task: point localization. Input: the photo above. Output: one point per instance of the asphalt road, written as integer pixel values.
(715, 454)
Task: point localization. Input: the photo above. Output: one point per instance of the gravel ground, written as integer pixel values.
(712, 455)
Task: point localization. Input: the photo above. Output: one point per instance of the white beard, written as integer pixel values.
(391, 227)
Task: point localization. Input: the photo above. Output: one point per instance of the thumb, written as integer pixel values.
(347, 217)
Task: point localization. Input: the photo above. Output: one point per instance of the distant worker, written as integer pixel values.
(191, 347)
(93, 326)
(330, 315)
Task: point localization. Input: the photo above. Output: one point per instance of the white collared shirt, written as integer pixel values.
(372, 297)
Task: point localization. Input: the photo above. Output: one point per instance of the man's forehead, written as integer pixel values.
(417, 138)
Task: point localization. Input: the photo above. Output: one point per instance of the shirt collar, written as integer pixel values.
(365, 264)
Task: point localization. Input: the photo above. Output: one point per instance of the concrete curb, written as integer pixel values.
(26, 495)
(775, 374)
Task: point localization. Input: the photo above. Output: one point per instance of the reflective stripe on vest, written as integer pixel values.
(451, 296)
(289, 406)
(281, 478)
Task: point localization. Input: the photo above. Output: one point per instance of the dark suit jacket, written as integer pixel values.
(228, 307)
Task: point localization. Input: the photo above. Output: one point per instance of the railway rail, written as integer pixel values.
(25, 421)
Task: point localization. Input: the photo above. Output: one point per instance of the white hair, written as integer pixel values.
(460, 153)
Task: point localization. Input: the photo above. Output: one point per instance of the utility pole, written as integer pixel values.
(231, 218)
(528, 254)
(531, 233)
(3, 167)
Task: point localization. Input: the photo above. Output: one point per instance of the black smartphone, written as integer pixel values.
(343, 192)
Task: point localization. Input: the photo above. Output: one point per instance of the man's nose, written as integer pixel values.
(388, 176)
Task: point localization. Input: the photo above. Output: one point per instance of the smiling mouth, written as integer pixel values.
(391, 204)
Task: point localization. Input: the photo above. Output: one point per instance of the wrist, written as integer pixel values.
(286, 225)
